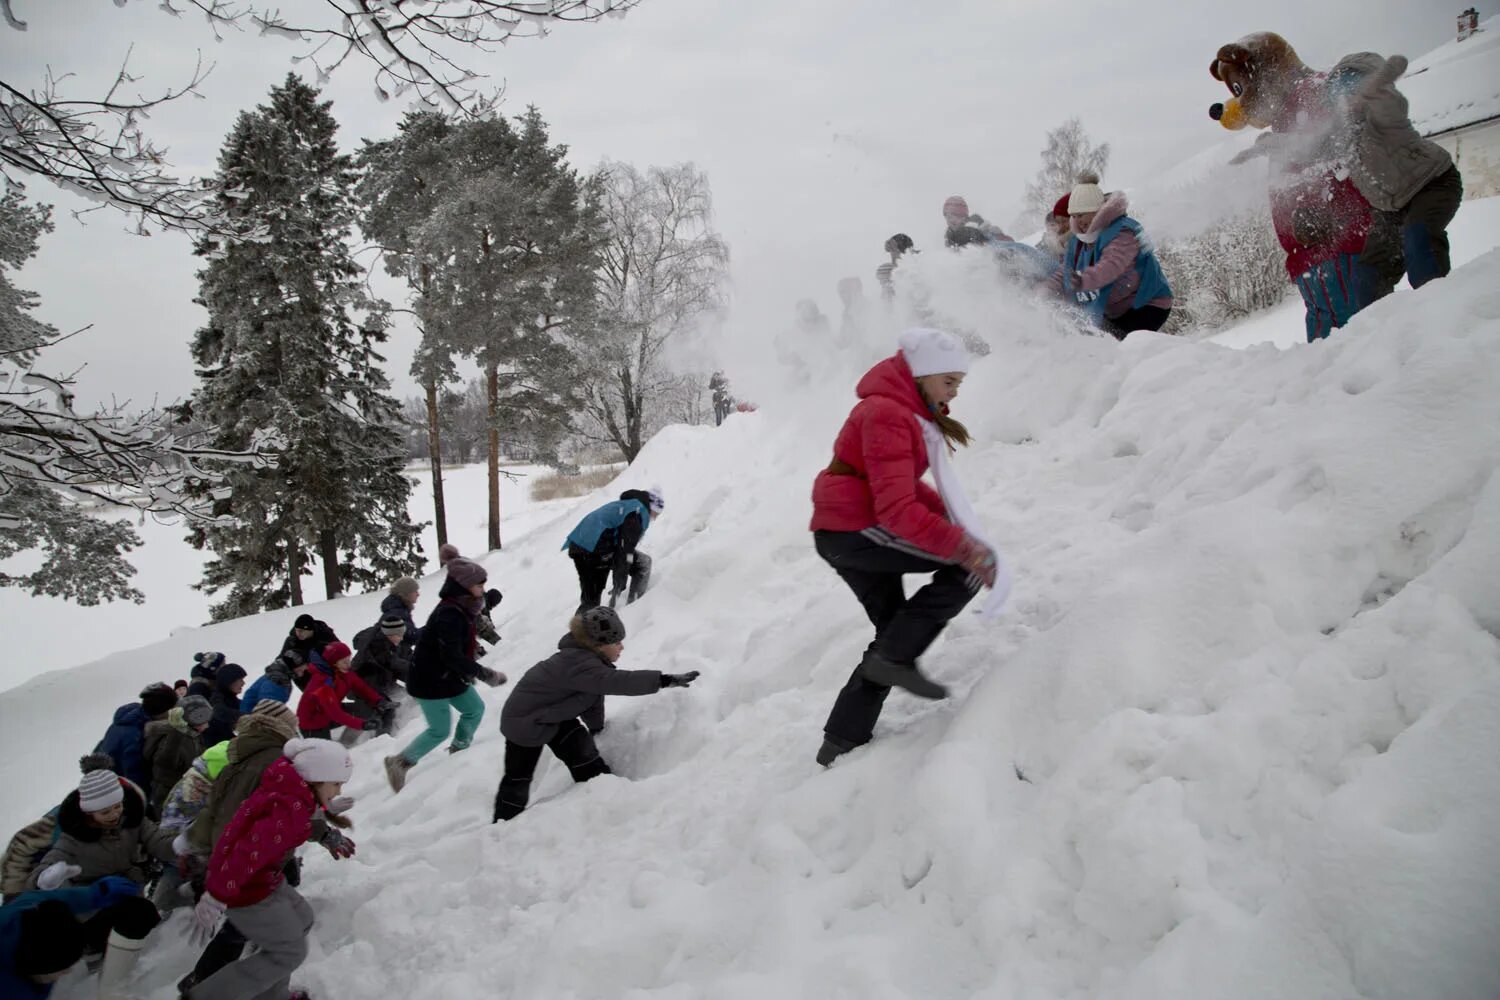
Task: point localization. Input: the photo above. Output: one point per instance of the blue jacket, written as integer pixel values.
(81, 901)
(125, 741)
(604, 524)
(264, 689)
(1080, 256)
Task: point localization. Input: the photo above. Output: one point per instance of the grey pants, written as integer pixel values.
(278, 927)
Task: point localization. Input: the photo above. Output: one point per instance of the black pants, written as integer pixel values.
(573, 746)
(1413, 241)
(1144, 318)
(593, 576)
(872, 563)
(133, 918)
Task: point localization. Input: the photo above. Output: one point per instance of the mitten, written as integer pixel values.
(678, 680)
(385, 705)
(207, 916)
(55, 874)
(976, 557)
(339, 804)
(492, 597)
(181, 846)
(112, 889)
(337, 844)
(493, 678)
(371, 725)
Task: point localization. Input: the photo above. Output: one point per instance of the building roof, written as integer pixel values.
(1456, 84)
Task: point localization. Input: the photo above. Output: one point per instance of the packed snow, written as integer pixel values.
(1236, 736)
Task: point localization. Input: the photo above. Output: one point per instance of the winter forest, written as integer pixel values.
(688, 498)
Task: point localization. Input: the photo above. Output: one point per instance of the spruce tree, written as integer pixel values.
(289, 356)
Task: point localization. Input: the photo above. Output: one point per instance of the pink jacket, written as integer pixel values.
(268, 826)
(1116, 264)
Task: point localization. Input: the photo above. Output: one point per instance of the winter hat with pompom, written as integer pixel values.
(49, 940)
(1061, 206)
(99, 790)
(273, 715)
(405, 585)
(933, 352)
(205, 664)
(1087, 195)
(96, 761)
(955, 205)
(319, 760)
(196, 710)
(466, 572)
(447, 552)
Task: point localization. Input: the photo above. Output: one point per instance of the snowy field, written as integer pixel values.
(1250, 674)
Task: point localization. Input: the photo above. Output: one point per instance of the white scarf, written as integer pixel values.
(962, 513)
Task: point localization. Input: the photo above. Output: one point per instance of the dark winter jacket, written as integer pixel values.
(122, 850)
(879, 457)
(379, 663)
(443, 665)
(256, 748)
(264, 833)
(394, 607)
(171, 746)
(125, 742)
(226, 705)
(568, 684)
(13, 985)
(322, 636)
(610, 534)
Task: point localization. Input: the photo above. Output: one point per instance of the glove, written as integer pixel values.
(207, 916)
(112, 889)
(337, 844)
(977, 557)
(678, 680)
(371, 725)
(385, 705)
(55, 874)
(339, 804)
(181, 846)
(492, 597)
(493, 678)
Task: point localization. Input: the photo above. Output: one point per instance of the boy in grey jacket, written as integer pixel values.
(1411, 183)
(545, 708)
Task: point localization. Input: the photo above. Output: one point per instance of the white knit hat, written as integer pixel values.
(933, 352)
(99, 790)
(319, 760)
(1087, 196)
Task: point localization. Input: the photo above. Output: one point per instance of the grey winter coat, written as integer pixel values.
(122, 850)
(1388, 161)
(568, 684)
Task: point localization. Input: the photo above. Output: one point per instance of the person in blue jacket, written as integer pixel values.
(275, 684)
(604, 543)
(44, 934)
(125, 739)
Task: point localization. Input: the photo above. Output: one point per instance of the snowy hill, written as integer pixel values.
(1250, 673)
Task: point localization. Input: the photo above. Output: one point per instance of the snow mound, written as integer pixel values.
(1238, 735)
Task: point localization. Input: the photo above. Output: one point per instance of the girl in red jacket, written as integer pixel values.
(245, 881)
(874, 520)
(322, 704)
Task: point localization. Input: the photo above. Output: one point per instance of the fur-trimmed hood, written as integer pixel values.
(75, 822)
(1115, 206)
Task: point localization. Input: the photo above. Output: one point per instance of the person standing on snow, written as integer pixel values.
(559, 704)
(321, 706)
(382, 659)
(400, 603)
(604, 544)
(125, 739)
(965, 229)
(201, 677)
(276, 683)
(245, 882)
(875, 520)
(1109, 266)
(444, 669)
(172, 743)
(308, 637)
(897, 246)
(229, 681)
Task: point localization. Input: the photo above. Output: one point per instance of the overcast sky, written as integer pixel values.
(824, 126)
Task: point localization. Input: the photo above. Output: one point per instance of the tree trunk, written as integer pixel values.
(492, 394)
(435, 453)
(294, 572)
(328, 552)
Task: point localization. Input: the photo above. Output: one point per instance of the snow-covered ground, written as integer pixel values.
(1250, 673)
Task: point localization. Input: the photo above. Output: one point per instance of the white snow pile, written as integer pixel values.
(1456, 84)
(1237, 736)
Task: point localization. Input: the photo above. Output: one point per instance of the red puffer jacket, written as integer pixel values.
(268, 826)
(322, 704)
(1307, 181)
(882, 442)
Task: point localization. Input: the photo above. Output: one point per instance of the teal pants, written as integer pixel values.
(439, 715)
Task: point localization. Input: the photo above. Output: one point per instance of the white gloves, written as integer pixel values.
(207, 916)
(55, 874)
(181, 846)
(339, 804)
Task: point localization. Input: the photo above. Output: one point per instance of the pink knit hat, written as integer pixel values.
(956, 205)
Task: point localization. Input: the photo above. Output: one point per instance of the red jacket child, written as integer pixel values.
(322, 704)
(268, 826)
(879, 458)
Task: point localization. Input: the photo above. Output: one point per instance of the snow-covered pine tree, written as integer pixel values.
(284, 353)
(516, 235)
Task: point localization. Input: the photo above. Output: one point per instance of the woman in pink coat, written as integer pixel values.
(875, 520)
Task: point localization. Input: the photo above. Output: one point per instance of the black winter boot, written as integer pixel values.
(878, 670)
(831, 750)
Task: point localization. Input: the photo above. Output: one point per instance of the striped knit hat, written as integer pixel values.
(272, 714)
(391, 625)
(99, 790)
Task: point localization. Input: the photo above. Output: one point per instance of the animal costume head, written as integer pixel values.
(1260, 71)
